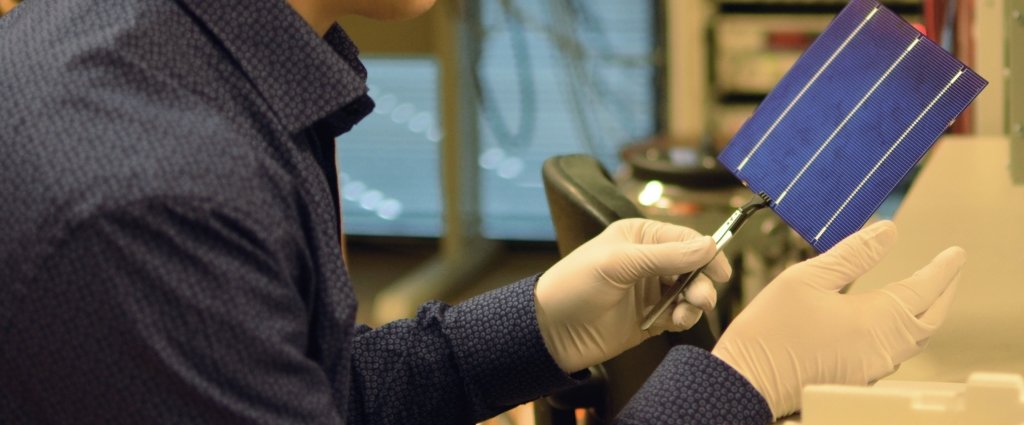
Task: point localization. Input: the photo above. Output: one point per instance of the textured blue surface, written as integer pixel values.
(863, 104)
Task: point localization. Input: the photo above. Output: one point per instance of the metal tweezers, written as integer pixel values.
(721, 237)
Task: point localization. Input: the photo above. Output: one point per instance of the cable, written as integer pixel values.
(519, 140)
(601, 114)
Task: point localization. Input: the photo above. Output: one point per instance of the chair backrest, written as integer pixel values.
(583, 200)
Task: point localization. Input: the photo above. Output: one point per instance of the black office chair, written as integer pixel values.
(583, 201)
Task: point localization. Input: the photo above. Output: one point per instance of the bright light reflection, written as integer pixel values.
(353, 190)
(651, 193)
(510, 168)
(491, 158)
(389, 209)
(434, 133)
(370, 199)
(403, 113)
(385, 104)
(420, 122)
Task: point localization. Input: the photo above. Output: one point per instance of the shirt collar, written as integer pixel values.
(302, 77)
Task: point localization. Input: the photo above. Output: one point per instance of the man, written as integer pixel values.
(170, 255)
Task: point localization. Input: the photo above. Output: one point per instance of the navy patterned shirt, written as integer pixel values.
(169, 240)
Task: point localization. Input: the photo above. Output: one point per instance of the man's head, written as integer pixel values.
(320, 14)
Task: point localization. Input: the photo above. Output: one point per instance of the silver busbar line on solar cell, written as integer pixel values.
(859, 108)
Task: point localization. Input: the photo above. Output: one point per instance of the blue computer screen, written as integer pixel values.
(554, 77)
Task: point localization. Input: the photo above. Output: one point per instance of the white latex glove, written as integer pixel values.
(800, 330)
(590, 304)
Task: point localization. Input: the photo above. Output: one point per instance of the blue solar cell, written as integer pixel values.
(862, 105)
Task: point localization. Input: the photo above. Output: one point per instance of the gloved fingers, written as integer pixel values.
(661, 324)
(902, 339)
(919, 292)
(853, 256)
(653, 294)
(871, 382)
(925, 324)
(719, 269)
(936, 314)
(684, 316)
(891, 370)
(699, 296)
(644, 231)
(908, 352)
(651, 232)
(700, 293)
(633, 262)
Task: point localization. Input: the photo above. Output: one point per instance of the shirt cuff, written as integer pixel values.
(692, 386)
(499, 348)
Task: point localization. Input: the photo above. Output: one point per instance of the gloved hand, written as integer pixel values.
(590, 304)
(800, 330)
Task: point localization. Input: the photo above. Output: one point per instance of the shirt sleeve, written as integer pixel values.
(183, 311)
(691, 386)
(456, 364)
(161, 312)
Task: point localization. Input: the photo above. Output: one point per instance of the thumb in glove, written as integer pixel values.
(590, 304)
(801, 330)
